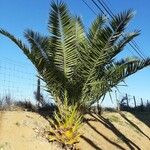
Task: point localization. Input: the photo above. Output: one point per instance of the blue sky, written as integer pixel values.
(18, 15)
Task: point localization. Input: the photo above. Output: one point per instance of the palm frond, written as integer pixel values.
(125, 68)
(46, 69)
(80, 66)
(40, 45)
(116, 73)
(96, 27)
(119, 46)
(18, 42)
(63, 45)
(108, 44)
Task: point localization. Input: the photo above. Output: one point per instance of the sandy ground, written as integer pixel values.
(20, 131)
(113, 131)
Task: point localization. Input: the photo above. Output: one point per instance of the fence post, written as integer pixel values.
(147, 102)
(38, 92)
(98, 108)
(142, 104)
(147, 105)
(134, 101)
(127, 101)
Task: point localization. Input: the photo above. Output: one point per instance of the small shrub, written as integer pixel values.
(65, 125)
(25, 105)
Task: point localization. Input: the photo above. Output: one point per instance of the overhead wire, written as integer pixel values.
(106, 8)
(89, 7)
(133, 43)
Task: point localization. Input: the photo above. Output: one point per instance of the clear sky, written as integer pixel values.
(18, 15)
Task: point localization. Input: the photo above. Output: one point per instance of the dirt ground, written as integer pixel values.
(19, 130)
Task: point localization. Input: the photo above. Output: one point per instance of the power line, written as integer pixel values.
(110, 12)
(133, 44)
(106, 8)
(98, 7)
(137, 51)
(89, 7)
(136, 47)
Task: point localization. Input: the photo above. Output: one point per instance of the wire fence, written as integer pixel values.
(19, 81)
(131, 103)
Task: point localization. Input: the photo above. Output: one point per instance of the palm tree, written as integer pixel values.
(79, 66)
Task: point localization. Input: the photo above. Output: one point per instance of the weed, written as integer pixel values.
(65, 127)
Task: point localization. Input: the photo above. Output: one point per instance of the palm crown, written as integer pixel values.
(80, 66)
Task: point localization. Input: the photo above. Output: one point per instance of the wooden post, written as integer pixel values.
(141, 101)
(147, 102)
(127, 101)
(38, 96)
(134, 101)
(147, 106)
(98, 108)
(142, 104)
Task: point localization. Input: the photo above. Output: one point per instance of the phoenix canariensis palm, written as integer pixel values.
(79, 66)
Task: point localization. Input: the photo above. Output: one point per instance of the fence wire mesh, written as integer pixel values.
(19, 81)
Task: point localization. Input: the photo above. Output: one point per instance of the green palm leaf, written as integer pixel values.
(79, 66)
(63, 45)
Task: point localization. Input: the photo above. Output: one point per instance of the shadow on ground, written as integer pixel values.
(105, 122)
(90, 142)
(142, 118)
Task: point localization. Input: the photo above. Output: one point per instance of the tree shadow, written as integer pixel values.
(134, 125)
(113, 143)
(143, 116)
(90, 142)
(111, 127)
